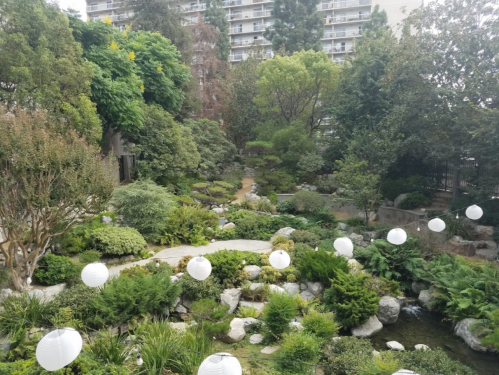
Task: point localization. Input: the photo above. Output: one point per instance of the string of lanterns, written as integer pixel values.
(61, 346)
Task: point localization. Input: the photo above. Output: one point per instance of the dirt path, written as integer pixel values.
(241, 193)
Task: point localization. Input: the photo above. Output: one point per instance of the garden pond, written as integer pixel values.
(416, 325)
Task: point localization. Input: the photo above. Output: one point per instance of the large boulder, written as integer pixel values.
(307, 296)
(276, 289)
(231, 297)
(4, 293)
(253, 271)
(395, 345)
(106, 220)
(418, 286)
(269, 350)
(52, 291)
(357, 239)
(36, 293)
(464, 248)
(236, 333)
(388, 310)
(292, 288)
(425, 297)
(229, 226)
(399, 199)
(462, 329)
(256, 338)
(315, 287)
(255, 286)
(253, 198)
(486, 249)
(283, 232)
(369, 328)
(483, 232)
(250, 322)
(218, 210)
(257, 305)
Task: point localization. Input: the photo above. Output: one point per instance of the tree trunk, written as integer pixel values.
(456, 179)
(366, 213)
(17, 280)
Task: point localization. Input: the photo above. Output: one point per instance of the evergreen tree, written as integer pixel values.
(214, 15)
(298, 26)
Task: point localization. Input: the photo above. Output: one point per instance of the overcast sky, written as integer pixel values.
(74, 4)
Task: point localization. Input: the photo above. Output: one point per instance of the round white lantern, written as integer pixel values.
(95, 274)
(344, 246)
(199, 268)
(436, 225)
(474, 212)
(58, 348)
(404, 372)
(279, 259)
(397, 236)
(220, 364)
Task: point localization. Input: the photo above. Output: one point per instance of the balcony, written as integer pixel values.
(98, 7)
(232, 3)
(237, 57)
(258, 27)
(343, 4)
(342, 34)
(248, 15)
(236, 16)
(119, 17)
(361, 17)
(249, 42)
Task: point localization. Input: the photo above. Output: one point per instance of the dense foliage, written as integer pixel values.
(297, 348)
(277, 314)
(321, 266)
(118, 240)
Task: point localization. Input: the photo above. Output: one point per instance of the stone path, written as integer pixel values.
(174, 254)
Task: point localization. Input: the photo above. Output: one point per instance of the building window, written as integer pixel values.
(94, 6)
(238, 55)
(236, 15)
(360, 30)
(268, 11)
(268, 53)
(340, 4)
(238, 28)
(342, 17)
(121, 27)
(339, 47)
(363, 15)
(257, 26)
(109, 5)
(339, 32)
(194, 19)
(237, 42)
(364, 2)
(257, 12)
(194, 6)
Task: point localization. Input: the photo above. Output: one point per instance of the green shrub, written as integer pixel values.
(212, 317)
(430, 214)
(217, 193)
(195, 290)
(286, 207)
(278, 312)
(320, 324)
(347, 355)
(248, 312)
(123, 298)
(327, 245)
(308, 201)
(109, 348)
(189, 224)
(490, 330)
(55, 269)
(5, 277)
(403, 263)
(306, 237)
(273, 198)
(78, 298)
(89, 256)
(227, 267)
(354, 222)
(457, 227)
(349, 298)
(323, 217)
(414, 200)
(300, 249)
(118, 240)
(265, 206)
(169, 359)
(227, 234)
(275, 182)
(252, 258)
(145, 206)
(27, 311)
(435, 361)
(78, 239)
(321, 266)
(383, 287)
(296, 349)
(324, 233)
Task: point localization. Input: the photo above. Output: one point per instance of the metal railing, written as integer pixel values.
(343, 4)
(349, 18)
(247, 15)
(342, 34)
(97, 7)
(248, 42)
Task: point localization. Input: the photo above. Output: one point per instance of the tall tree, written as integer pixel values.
(298, 88)
(215, 16)
(241, 88)
(41, 65)
(298, 26)
(50, 179)
(444, 82)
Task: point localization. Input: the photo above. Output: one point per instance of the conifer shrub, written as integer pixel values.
(212, 317)
(195, 290)
(277, 314)
(296, 349)
(321, 324)
(320, 266)
(347, 355)
(227, 267)
(351, 301)
(308, 201)
(118, 240)
(306, 237)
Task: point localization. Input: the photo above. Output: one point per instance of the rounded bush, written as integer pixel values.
(118, 240)
(54, 269)
(295, 349)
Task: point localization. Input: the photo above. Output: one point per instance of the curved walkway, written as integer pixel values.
(174, 254)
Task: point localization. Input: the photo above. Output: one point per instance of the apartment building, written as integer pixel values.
(343, 20)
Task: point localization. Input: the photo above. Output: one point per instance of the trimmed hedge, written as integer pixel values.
(118, 240)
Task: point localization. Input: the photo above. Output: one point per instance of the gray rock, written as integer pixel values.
(291, 288)
(464, 248)
(253, 271)
(127, 258)
(306, 295)
(174, 279)
(231, 297)
(236, 333)
(357, 239)
(484, 232)
(52, 291)
(425, 297)
(369, 328)
(312, 188)
(296, 325)
(354, 266)
(276, 289)
(179, 275)
(269, 350)
(343, 226)
(462, 329)
(340, 191)
(283, 232)
(401, 301)
(181, 309)
(253, 198)
(418, 286)
(388, 310)
(303, 286)
(177, 301)
(457, 238)
(4, 344)
(36, 293)
(257, 305)
(399, 199)
(250, 322)
(421, 347)
(315, 287)
(218, 210)
(256, 339)
(395, 345)
(179, 326)
(229, 226)
(376, 353)
(107, 220)
(4, 293)
(389, 203)
(187, 302)
(304, 220)
(255, 286)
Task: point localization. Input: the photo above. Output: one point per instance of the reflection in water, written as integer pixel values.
(417, 325)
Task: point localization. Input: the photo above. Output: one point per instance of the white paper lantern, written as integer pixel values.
(474, 212)
(397, 236)
(199, 268)
(344, 246)
(436, 225)
(279, 259)
(95, 274)
(405, 372)
(220, 364)
(58, 348)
